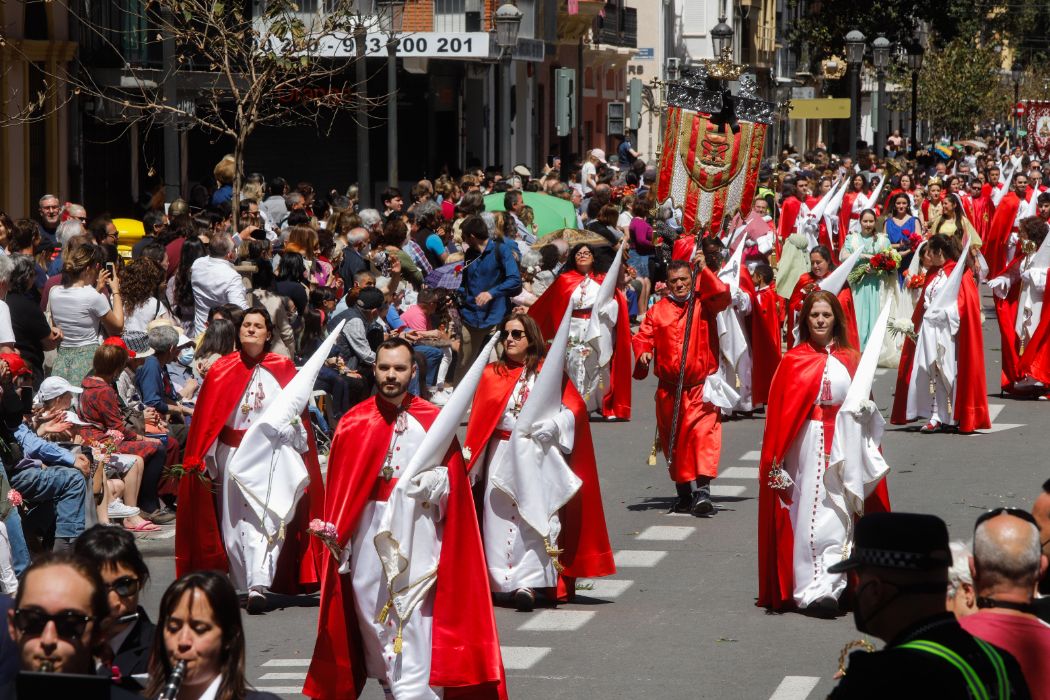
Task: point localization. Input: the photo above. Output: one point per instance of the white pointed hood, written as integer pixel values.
(948, 295)
(604, 341)
(837, 279)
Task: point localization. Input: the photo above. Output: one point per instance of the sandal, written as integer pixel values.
(146, 526)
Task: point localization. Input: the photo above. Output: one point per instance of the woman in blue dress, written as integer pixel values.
(900, 226)
(867, 290)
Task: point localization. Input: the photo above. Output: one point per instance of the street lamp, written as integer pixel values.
(507, 21)
(1017, 75)
(915, 56)
(722, 38)
(391, 19)
(880, 56)
(854, 57)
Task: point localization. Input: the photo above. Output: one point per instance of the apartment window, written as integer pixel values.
(450, 15)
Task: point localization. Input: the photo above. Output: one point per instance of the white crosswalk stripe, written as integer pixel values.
(557, 621)
(665, 532)
(723, 490)
(994, 409)
(603, 587)
(287, 663)
(751, 456)
(739, 473)
(522, 658)
(284, 676)
(795, 688)
(640, 558)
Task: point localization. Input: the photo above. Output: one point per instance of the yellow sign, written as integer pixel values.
(822, 108)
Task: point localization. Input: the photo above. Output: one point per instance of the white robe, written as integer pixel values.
(935, 358)
(514, 552)
(583, 366)
(252, 557)
(406, 676)
(820, 536)
(734, 357)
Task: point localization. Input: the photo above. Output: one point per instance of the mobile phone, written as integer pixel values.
(26, 396)
(112, 269)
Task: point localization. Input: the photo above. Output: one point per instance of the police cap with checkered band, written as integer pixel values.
(910, 541)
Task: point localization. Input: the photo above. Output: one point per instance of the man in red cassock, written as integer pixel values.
(791, 207)
(217, 528)
(448, 646)
(1000, 248)
(767, 320)
(978, 207)
(694, 457)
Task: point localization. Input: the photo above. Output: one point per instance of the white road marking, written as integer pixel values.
(881, 371)
(283, 676)
(287, 663)
(605, 587)
(522, 658)
(1000, 427)
(795, 688)
(629, 558)
(557, 621)
(994, 409)
(721, 490)
(752, 456)
(739, 473)
(665, 532)
(280, 689)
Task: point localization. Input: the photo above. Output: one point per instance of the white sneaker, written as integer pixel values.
(118, 510)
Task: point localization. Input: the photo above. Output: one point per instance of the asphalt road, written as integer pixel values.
(678, 619)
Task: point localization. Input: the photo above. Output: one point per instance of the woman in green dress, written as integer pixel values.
(866, 290)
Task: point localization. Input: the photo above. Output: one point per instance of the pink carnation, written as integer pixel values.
(14, 498)
(316, 525)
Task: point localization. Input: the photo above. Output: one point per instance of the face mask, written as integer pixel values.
(860, 620)
(186, 356)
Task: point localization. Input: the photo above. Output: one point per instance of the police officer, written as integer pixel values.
(901, 564)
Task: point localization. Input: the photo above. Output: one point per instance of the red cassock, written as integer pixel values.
(792, 396)
(994, 245)
(584, 536)
(198, 535)
(767, 318)
(465, 655)
(845, 216)
(698, 442)
(788, 216)
(548, 312)
(807, 283)
(970, 408)
(996, 249)
(1035, 362)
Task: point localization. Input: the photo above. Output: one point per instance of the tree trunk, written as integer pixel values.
(238, 178)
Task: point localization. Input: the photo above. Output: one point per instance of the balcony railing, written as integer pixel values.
(619, 26)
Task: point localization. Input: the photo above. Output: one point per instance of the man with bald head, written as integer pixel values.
(1041, 513)
(1007, 564)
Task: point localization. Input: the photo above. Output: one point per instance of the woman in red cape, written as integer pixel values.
(856, 186)
(578, 284)
(799, 535)
(198, 532)
(767, 320)
(465, 656)
(821, 266)
(584, 538)
(970, 409)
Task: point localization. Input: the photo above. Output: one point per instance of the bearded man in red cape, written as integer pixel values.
(518, 562)
(449, 643)
(1000, 248)
(607, 389)
(219, 531)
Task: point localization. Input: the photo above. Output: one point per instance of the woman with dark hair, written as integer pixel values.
(200, 623)
(519, 559)
(180, 291)
(33, 333)
(224, 533)
(392, 242)
(952, 221)
(603, 378)
(140, 282)
(820, 266)
(129, 630)
(941, 372)
(292, 280)
(264, 294)
(868, 290)
(79, 309)
(220, 339)
(858, 186)
(800, 534)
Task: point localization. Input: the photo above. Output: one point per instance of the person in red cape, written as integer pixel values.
(969, 410)
(792, 206)
(519, 560)
(604, 388)
(979, 207)
(219, 531)
(450, 642)
(767, 320)
(820, 266)
(1000, 248)
(857, 186)
(693, 460)
(799, 534)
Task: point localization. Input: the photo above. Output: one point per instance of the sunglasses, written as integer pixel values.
(516, 334)
(1016, 512)
(124, 586)
(69, 624)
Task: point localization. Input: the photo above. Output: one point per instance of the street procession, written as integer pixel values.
(488, 349)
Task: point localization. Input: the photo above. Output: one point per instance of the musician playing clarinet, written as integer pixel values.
(691, 443)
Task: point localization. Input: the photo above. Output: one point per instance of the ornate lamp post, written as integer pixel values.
(1017, 76)
(854, 57)
(915, 56)
(507, 20)
(880, 56)
(391, 19)
(722, 38)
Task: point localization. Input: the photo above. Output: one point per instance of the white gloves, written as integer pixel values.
(292, 434)
(1000, 286)
(545, 432)
(742, 302)
(432, 488)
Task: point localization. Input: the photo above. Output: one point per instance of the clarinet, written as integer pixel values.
(171, 688)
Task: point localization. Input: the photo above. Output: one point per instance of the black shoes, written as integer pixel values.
(524, 600)
(701, 504)
(257, 604)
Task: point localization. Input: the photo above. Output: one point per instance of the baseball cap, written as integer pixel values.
(370, 298)
(53, 387)
(15, 363)
(911, 541)
(600, 155)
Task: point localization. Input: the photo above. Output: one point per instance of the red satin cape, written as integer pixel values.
(465, 657)
(767, 318)
(798, 296)
(584, 535)
(548, 312)
(198, 535)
